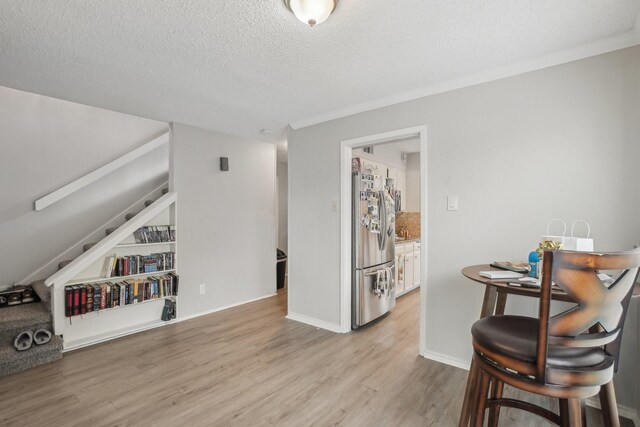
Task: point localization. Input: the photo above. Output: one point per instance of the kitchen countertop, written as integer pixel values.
(412, 240)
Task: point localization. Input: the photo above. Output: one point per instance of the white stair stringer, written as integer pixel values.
(58, 280)
(51, 266)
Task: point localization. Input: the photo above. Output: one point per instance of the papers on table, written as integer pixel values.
(525, 282)
(503, 274)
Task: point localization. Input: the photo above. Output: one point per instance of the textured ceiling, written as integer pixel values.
(245, 65)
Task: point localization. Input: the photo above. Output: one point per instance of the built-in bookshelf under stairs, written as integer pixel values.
(40, 315)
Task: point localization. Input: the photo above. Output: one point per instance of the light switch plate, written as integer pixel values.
(452, 203)
(203, 289)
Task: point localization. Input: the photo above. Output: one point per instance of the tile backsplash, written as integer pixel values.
(408, 221)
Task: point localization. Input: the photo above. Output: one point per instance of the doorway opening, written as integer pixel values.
(282, 216)
(396, 162)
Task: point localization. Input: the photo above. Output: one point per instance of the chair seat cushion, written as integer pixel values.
(516, 337)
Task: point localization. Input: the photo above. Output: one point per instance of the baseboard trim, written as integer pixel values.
(86, 342)
(623, 411)
(226, 307)
(447, 360)
(316, 322)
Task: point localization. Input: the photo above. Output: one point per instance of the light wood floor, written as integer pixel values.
(248, 366)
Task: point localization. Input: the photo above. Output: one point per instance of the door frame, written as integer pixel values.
(346, 155)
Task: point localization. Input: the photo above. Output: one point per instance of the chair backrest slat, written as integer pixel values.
(598, 315)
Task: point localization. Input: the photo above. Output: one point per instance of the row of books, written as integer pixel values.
(85, 298)
(155, 234)
(138, 264)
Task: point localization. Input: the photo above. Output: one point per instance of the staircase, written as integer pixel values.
(33, 316)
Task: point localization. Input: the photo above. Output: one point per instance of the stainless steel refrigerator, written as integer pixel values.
(373, 249)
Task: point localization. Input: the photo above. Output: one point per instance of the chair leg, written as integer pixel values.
(575, 413)
(609, 405)
(483, 391)
(564, 412)
(468, 396)
(497, 388)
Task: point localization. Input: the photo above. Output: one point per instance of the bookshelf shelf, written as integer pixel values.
(137, 245)
(97, 313)
(117, 278)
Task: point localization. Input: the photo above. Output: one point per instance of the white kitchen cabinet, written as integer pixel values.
(408, 268)
(400, 274)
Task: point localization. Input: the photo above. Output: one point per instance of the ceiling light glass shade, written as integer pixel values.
(312, 12)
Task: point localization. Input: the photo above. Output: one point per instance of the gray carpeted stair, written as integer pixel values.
(23, 317)
(88, 246)
(20, 318)
(110, 230)
(148, 203)
(12, 360)
(165, 191)
(130, 215)
(43, 292)
(63, 264)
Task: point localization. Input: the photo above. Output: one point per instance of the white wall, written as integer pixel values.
(413, 183)
(47, 143)
(226, 220)
(283, 206)
(387, 154)
(559, 142)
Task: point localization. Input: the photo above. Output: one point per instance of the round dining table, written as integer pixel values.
(495, 292)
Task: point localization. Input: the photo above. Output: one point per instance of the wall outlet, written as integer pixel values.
(203, 289)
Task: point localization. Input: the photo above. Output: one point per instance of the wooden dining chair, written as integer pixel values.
(570, 356)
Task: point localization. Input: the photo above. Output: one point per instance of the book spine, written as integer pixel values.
(136, 292)
(103, 297)
(76, 300)
(68, 294)
(96, 297)
(89, 298)
(109, 295)
(116, 295)
(83, 300)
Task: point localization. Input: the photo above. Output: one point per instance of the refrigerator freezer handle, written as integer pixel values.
(383, 221)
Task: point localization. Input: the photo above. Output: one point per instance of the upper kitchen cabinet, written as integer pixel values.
(412, 184)
(401, 185)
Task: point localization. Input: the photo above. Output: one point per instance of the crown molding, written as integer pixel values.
(598, 47)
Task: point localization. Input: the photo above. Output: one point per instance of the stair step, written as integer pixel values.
(12, 360)
(110, 230)
(63, 264)
(130, 215)
(165, 190)
(43, 292)
(148, 203)
(88, 246)
(23, 317)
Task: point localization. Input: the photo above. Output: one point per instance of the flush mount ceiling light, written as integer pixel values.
(311, 12)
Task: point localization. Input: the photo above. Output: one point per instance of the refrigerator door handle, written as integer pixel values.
(383, 221)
